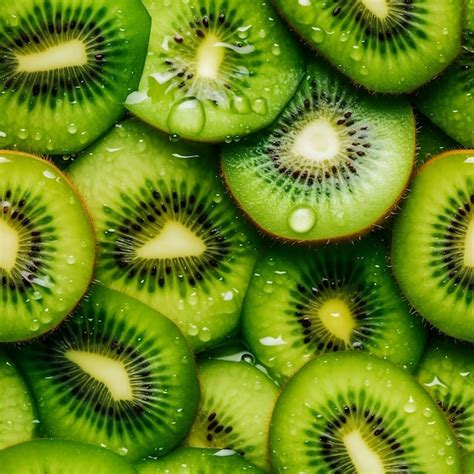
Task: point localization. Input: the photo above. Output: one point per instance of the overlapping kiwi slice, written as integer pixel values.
(392, 46)
(355, 413)
(433, 244)
(304, 302)
(117, 374)
(46, 246)
(168, 234)
(216, 69)
(199, 461)
(333, 164)
(54, 456)
(235, 410)
(66, 68)
(446, 371)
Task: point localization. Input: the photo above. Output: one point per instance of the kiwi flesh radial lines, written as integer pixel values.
(47, 247)
(216, 69)
(433, 243)
(66, 68)
(168, 234)
(117, 374)
(333, 164)
(392, 46)
(304, 302)
(357, 414)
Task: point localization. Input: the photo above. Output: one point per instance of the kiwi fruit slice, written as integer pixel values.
(433, 243)
(117, 374)
(168, 234)
(304, 302)
(66, 68)
(54, 456)
(356, 413)
(198, 461)
(333, 164)
(47, 247)
(468, 463)
(17, 413)
(446, 371)
(216, 69)
(235, 410)
(387, 46)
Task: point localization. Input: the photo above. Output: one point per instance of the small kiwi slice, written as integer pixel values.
(168, 234)
(235, 410)
(17, 413)
(198, 461)
(355, 413)
(117, 374)
(433, 243)
(54, 456)
(47, 246)
(66, 68)
(333, 164)
(304, 302)
(446, 371)
(392, 46)
(216, 69)
(468, 463)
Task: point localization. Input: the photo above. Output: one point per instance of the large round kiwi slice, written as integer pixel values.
(304, 302)
(235, 410)
(117, 374)
(17, 414)
(198, 461)
(390, 46)
(168, 234)
(216, 69)
(446, 371)
(433, 243)
(332, 165)
(66, 68)
(355, 413)
(46, 246)
(54, 456)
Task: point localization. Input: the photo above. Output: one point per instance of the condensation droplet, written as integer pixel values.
(302, 219)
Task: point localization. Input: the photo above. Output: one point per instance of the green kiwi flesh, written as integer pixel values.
(198, 461)
(433, 242)
(333, 164)
(117, 374)
(387, 46)
(216, 69)
(302, 303)
(355, 413)
(168, 234)
(446, 371)
(235, 410)
(54, 456)
(47, 247)
(468, 463)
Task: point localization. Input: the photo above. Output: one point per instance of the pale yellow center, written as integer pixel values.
(365, 460)
(112, 373)
(469, 245)
(69, 54)
(174, 241)
(210, 55)
(337, 319)
(9, 243)
(378, 7)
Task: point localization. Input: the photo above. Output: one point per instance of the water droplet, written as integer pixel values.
(187, 117)
(410, 406)
(204, 335)
(72, 128)
(241, 105)
(22, 134)
(356, 53)
(174, 137)
(343, 37)
(71, 260)
(364, 70)
(317, 34)
(193, 330)
(276, 50)
(260, 106)
(49, 174)
(123, 451)
(36, 295)
(302, 219)
(34, 325)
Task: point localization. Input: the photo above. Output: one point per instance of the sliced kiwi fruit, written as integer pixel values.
(198, 461)
(216, 69)
(333, 164)
(449, 101)
(446, 371)
(54, 456)
(355, 413)
(391, 46)
(468, 463)
(302, 303)
(433, 243)
(47, 247)
(235, 410)
(117, 374)
(66, 68)
(168, 234)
